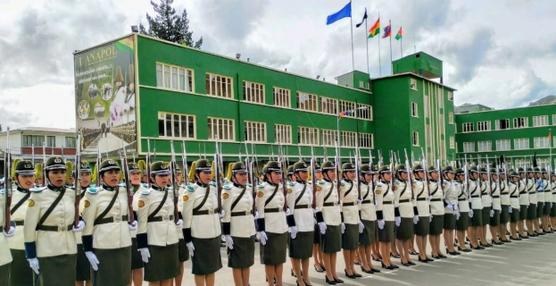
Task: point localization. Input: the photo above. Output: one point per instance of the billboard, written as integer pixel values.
(105, 96)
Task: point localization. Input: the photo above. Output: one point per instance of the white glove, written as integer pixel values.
(229, 241)
(343, 227)
(293, 231)
(510, 210)
(361, 227)
(93, 260)
(398, 220)
(430, 218)
(34, 264)
(491, 213)
(179, 223)
(80, 226)
(10, 232)
(190, 248)
(415, 219)
(132, 226)
(456, 207)
(450, 207)
(380, 224)
(470, 213)
(145, 254)
(322, 227)
(262, 237)
(457, 215)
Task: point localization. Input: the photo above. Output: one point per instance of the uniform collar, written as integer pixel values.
(301, 182)
(21, 189)
(201, 184)
(238, 186)
(108, 188)
(56, 189)
(155, 187)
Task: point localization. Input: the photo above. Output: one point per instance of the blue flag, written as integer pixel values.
(344, 13)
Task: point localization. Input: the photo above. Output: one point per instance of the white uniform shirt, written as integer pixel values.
(540, 190)
(240, 217)
(302, 192)
(463, 200)
(385, 199)
(368, 209)
(327, 202)
(201, 225)
(349, 196)
(421, 193)
(504, 193)
(475, 194)
(532, 190)
(523, 193)
(270, 203)
(404, 199)
(161, 229)
(450, 194)
(437, 198)
(19, 195)
(486, 190)
(495, 194)
(5, 254)
(514, 195)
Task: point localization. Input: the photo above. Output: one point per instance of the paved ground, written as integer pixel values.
(527, 262)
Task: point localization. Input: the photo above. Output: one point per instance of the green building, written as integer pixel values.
(516, 133)
(146, 93)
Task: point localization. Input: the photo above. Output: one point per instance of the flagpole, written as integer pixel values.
(401, 42)
(351, 28)
(367, 44)
(391, 59)
(379, 65)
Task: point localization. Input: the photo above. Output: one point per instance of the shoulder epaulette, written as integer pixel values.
(37, 189)
(92, 190)
(190, 188)
(145, 192)
(227, 186)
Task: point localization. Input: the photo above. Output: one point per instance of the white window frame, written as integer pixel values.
(307, 101)
(345, 105)
(329, 105)
(348, 139)
(520, 122)
(366, 140)
(175, 77)
(219, 85)
(365, 113)
(450, 95)
(283, 133)
(308, 135)
(329, 137)
(483, 126)
(452, 142)
(540, 120)
(521, 143)
(225, 129)
(413, 83)
(282, 97)
(415, 138)
(498, 121)
(255, 131)
(541, 142)
(414, 109)
(469, 147)
(553, 119)
(467, 127)
(253, 92)
(484, 146)
(503, 145)
(174, 123)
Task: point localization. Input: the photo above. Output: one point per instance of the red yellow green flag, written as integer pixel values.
(375, 29)
(399, 35)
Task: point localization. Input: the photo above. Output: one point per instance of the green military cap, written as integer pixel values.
(290, 170)
(202, 165)
(300, 167)
(483, 170)
(459, 171)
(55, 163)
(327, 166)
(272, 166)
(537, 170)
(366, 169)
(493, 171)
(418, 168)
(529, 170)
(238, 167)
(348, 167)
(543, 170)
(108, 165)
(25, 168)
(160, 168)
(448, 169)
(384, 169)
(317, 167)
(401, 168)
(473, 169)
(520, 170)
(513, 173)
(132, 167)
(84, 166)
(432, 169)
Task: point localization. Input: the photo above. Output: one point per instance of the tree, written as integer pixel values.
(169, 25)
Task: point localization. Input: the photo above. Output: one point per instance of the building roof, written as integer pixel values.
(415, 75)
(472, 108)
(42, 130)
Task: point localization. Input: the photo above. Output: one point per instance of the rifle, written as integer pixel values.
(218, 175)
(284, 167)
(77, 183)
(409, 171)
(148, 163)
(488, 176)
(358, 172)
(97, 175)
(425, 166)
(466, 175)
(127, 182)
(7, 183)
(44, 178)
(313, 177)
(174, 181)
(184, 163)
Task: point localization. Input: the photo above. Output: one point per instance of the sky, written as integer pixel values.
(500, 53)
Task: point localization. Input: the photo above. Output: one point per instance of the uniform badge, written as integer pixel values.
(31, 203)
(185, 198)
(318, 189)
(225, 195)
(289, 191)
(378, 191)
(87, 203)
(141, 203)
(260, 194)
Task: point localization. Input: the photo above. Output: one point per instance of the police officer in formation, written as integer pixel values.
(83, 275)
(405, 216)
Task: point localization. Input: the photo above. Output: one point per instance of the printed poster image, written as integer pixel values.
(105, 96)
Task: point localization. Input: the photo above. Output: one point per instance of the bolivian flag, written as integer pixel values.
(375, 29)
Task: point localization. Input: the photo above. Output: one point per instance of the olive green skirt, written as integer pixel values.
(83, 268)
(387, 233)
(540, 209)
(57, 270)
(495, 219)
(436, 225)
(114, 266)
(422, 228)
(486, 215)
(449, 221)
(523, 211)
(243, 254)
(20, 274)
(368, 236)
(463, 222)
(532, 212)
(406, 229)
(163, 263)
(350, 237)
(505, 214)
(136, 260)
(514, 216)
(302, 246)
(547, 207)
(553, 210)
(316, 234)
(206, 259)
(5, 274)
(331, 240)
(274, 252)
(183, 252)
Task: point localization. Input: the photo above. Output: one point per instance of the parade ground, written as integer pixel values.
(527, 262)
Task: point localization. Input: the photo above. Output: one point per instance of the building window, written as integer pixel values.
(468, 127)
(503, 145)
(452, 142)
(329, 137)
(521, 143)
(450, 96)
(365, 111)
(415, 138)
(329, 105)
(414, 109)
(176, 125)
(70, 142)
(221, 129)
(51, 141)
(468, 147)
(349, 139)
(541, 120)
(345, 106)
(541, 142)
(553, 119)
(253, 92)
(502, 124)
(308, 136)
(484, 146)
(283, 133)
(366, 140)
(281, 97)
(364, 84)
(483, 126)
(520, 122)
(413, 83)
(450, 117)
(174, 77)
(33, 140)
(219, 85)
(307, 101)
(255, 131)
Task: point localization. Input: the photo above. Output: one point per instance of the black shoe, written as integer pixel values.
(411, 263)
(453, 253)
(436, 256)
(395, 255)
(406, 264)
(395, 266)
(357, 275)
(352, 276)
(423, 260)
(330, 282)
(318, 268)
(338, 280)
(465, 250)
(429, 259)
(367, 271)
(442, 256)
(497, 242)
(375, 270)
(505, 240)
(414, 252)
